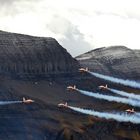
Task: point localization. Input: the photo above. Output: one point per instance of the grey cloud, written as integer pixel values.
(13, 7)
(9, 2)
(73, 39)
(6, 2)
(7, 8)
(125, 15)
(75, 43)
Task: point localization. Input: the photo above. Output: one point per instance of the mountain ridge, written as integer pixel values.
(25, 54)
(114, 60)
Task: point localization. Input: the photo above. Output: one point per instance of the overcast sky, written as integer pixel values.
(78, 25)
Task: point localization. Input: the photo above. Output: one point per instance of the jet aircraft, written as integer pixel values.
(83, 69)
(71, 88)
(27, 101)
(63, 105)
(131, 111)
(103, 87)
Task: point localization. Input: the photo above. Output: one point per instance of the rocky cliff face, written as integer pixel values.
(23, 54)
(114, 60)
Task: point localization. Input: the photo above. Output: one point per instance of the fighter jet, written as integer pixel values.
(71, 88)
(131, 111)
(63, 105)
(103, 87)
(83, 69)
(27, 101)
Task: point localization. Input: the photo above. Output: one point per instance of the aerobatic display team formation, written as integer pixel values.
(129, 115)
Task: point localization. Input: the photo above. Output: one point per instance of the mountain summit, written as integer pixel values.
(24, 54)
(114, 60)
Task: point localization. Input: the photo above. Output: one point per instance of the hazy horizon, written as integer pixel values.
(79, 26)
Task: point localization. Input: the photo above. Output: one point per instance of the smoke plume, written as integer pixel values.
(126, 94)
(129, 83)
(118, 116)
(111, 98)
(9, 102)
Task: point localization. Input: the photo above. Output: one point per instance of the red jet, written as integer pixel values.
(83, 70)
(63, 105)
(103, 87)
(27, 101)
(71, 88)
(131, 111)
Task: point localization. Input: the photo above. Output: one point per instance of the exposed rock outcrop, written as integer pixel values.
(24, 54)
(115, 60)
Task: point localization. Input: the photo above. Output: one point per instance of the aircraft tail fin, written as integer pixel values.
(24, 99)
(86, 68)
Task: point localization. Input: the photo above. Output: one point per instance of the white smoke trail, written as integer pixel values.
(118, 117)
(138, 114)
(111, 98)
(126, 94)
(10, 102)
(129, 83)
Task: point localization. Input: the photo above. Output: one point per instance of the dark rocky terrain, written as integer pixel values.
(43, 120)
(115, 60)
(23, 54)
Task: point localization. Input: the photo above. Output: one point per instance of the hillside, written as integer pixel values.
(115, 60)
(29, 55)
(31, 59)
